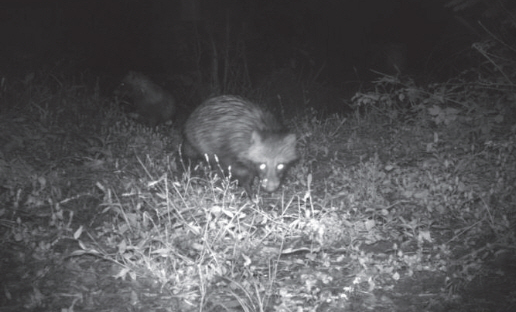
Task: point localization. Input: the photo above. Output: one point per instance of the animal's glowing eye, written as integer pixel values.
(262, 167)
(280, 167)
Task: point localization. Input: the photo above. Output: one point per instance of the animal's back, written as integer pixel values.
(223, 125)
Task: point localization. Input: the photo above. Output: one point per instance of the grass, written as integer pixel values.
(408, 204)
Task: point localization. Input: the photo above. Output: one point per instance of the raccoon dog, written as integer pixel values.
(244, 137)
(147, 100)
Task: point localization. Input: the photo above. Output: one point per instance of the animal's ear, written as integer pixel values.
(255, 137)
(290, 139)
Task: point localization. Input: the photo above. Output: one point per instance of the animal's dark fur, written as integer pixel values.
(242, 135)
(152, 104)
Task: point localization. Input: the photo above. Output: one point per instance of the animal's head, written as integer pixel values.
(272, 154)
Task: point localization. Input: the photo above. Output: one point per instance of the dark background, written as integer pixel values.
(115, 35)
(331, 42)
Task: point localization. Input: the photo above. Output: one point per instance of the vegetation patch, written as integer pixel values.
(407, 204)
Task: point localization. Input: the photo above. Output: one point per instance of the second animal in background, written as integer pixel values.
(151, 104)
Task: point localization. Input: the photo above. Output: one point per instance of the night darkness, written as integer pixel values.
(258, 155)
(342, 38)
